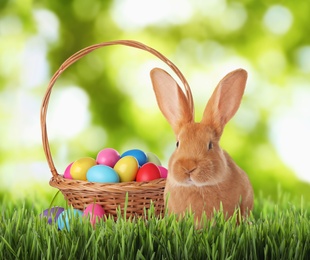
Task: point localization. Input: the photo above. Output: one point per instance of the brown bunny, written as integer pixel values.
(201, 176)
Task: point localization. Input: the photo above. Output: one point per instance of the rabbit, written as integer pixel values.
(201, 176)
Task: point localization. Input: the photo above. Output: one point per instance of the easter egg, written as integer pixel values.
(52, 214)
(108, 156)
(127, 168)
(138, 154)
(151, 157)
(67, 216)
(148, 172)
(80, 167)
(67, 174)
(95, 212)
(163, 171)
(102, 173)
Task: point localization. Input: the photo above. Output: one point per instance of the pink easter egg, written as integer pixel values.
(163, 171)
(108, 157)
(95, 211)
(67, 174)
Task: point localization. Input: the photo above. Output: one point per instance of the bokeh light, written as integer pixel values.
(106, 99)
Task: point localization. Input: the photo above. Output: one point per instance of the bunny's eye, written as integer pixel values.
(177, 144)
(210, 145)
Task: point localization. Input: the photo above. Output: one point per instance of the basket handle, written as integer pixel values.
(78, 55)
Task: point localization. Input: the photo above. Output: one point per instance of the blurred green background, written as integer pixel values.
(106, 99)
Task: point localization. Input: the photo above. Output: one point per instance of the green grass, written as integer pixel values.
(278, 230)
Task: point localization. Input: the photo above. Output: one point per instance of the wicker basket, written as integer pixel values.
(139, 195)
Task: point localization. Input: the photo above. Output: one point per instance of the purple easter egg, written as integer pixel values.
(52, 214)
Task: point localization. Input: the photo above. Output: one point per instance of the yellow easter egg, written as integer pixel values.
(127, 168)
(80, 167)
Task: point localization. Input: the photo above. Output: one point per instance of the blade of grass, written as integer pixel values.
(8, 246)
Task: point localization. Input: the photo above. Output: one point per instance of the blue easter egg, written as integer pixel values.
(102, 173)
(67, 216)
(138, 154)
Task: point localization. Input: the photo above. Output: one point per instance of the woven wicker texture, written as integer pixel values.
(139, 195)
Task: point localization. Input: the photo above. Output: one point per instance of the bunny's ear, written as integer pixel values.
(225, 100)
(171, 99)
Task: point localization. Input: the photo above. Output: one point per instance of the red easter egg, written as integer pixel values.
(148, 172)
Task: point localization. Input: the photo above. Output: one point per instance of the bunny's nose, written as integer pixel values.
(190, 171)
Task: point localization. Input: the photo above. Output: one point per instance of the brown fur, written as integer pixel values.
(201, 176)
